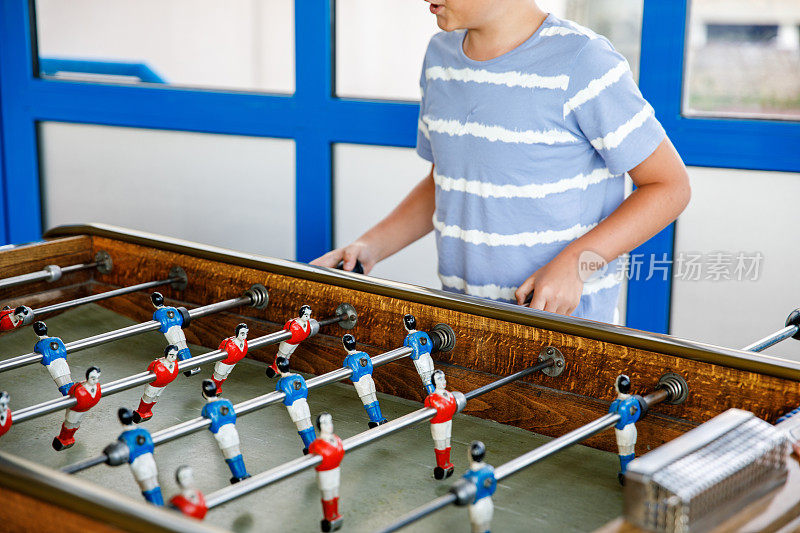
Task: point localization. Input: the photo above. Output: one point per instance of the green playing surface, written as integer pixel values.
(575, 490)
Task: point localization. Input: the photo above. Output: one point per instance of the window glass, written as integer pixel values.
(232, 191)
(243, 45)
(380, 46)
(743, 59)
(397, 170)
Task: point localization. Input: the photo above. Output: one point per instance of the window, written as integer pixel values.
(743, 59)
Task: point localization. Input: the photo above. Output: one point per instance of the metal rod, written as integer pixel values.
(285, 470)
(142, 378)
(771, 340)
(534, 456)
(421, 512)
(103, 338)
(51, 272)
(101, 296)
(547, 363)
(248, 406)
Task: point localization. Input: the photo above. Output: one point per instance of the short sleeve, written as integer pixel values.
(423, 137)
(609, 108)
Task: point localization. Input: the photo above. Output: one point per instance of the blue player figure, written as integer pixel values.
(223, 425)
(172, 322)
(296, 391)
(139, 446)
(630, 409)
(54, 357)
(422, 346)
(361, 365)
(480, 474)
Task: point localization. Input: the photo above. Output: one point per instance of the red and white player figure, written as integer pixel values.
(446, 405)
(301, 328)
(5, 413)
(14, 318)
(330, 448)
(166, 370)
(189, 500)
(87, 394)
(236, 347)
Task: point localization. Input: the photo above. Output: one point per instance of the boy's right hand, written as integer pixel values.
(348, 255)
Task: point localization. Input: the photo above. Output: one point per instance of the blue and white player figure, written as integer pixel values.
(140, 457)
(480, 474)
(361, 365)
(296, 391)
(223, 425)
(629, 408)
(54, 357)
(422, 346)
(172, 323)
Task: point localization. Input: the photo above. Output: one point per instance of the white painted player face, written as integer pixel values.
(94, 378)
(326, 424)
(439, 381)
(185, 477)
(4, 402)
(172, 355)
(242, 334)
(306, 314)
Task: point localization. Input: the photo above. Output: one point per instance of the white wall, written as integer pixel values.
(740, 211)
(225, 190)
(369, 181)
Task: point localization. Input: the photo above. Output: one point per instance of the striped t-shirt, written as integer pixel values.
(530, 151)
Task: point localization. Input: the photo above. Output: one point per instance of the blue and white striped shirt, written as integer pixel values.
(530, 151)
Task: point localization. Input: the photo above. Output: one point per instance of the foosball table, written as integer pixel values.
(191, 388)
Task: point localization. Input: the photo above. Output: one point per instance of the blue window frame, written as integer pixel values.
(316, 119)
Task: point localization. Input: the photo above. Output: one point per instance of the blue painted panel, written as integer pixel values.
(21, 187)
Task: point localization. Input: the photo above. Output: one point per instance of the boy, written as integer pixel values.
(530, 123)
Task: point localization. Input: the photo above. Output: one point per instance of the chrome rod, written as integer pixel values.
(101, 296)
(248, 406)
(547, 363)
(525, 460)
(771, 340)
(142, 378)
(421, 512)
(556, 445)
(122, 333)
(49, 273)
(285, 470)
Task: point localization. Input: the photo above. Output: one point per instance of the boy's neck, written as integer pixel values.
(504, 32)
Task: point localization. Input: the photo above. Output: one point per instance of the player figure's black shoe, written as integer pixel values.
(326, 525)
(441, 473)
(372, 424)
(191, 372)
(58, 446)
(235, 479)
(621, 478)
(305, 451)
(271, 371)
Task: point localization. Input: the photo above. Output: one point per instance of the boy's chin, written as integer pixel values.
(446, 25)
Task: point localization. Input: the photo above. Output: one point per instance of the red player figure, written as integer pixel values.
(189, 500)
(166, 370)
(87, 394)
(446, 406)
(14, 318)
(236, 347)
(301, 328)
(330, 448)
(5, 413)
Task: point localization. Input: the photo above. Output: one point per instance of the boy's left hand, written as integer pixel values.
(556, 287)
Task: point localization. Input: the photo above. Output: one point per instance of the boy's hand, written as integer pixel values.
(556, 287)
(358, 250)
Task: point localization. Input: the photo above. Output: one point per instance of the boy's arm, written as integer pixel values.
(662, 192)
(409, 221)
